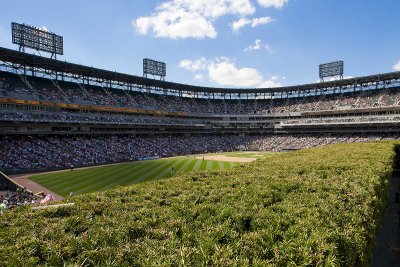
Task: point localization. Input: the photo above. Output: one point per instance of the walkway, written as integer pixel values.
(387, 250)
(32, 186)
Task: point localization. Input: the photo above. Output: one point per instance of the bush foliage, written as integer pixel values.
(315, 207)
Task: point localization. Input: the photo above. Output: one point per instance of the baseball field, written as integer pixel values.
(101, 178)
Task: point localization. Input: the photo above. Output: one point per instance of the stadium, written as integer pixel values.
(322, 159)
(87, 107)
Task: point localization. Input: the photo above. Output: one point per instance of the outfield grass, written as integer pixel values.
(107, 177)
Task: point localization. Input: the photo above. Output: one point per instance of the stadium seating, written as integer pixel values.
(69, 92)
(234, 118)
(59, 152)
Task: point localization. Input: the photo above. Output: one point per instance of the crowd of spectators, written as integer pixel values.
(94, 118)
(342, 120)
(14, 86)
(11, 199)
(3, 84)
(47, 152)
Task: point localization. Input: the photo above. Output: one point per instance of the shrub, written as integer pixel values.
(316, 207)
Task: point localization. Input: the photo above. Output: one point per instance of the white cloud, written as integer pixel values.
(176, 25)
(273, 3)
(217, 8)
(242, 22)
(223, 71)
(257, 45)
(44, 28)
(269, 84)
(268, 47)
(199, 64)
(396, 67)
(260, 21)
(331, 79)
(237, 25)
(190, 19)
(198, 77)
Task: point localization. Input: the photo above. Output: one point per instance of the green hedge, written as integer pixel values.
(316, 207)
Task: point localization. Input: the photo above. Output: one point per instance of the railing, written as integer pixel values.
(7, 184)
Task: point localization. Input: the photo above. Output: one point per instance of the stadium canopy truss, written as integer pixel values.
(28, 64)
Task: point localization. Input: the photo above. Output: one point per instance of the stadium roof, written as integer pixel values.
(35, 61)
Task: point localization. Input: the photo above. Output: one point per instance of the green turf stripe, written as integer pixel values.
(221, 165)
(105, 177)
(226, 164)
(103, 183)
(186, 167)
(197, 165)
(203, 166)
(87, 179)
(215, 165)
(155, 169)
(76, 175)
(192, 164)
(181, 164)
(209, 165)
(167, 171)
(133, 175)
(128, 176)
(104, 174)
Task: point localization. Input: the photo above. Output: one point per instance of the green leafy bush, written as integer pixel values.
(316, 207)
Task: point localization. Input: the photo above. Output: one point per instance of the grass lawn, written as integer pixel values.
(106, 177)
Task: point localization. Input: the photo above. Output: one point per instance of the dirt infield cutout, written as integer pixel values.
(227, 159)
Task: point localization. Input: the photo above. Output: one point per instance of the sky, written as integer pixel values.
(220, 43)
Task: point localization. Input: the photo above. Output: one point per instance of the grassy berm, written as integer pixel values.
(316, 207)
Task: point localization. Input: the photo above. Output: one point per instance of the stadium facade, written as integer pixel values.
(43, 100)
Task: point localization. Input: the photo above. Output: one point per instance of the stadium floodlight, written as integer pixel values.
(331, 69)
(155, 68)
(35, 38)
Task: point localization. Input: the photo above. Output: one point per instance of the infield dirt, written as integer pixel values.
(227, 159)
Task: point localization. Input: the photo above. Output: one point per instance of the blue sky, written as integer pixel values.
(221, 43)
